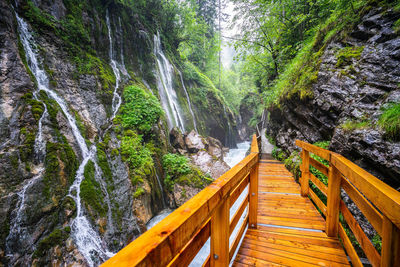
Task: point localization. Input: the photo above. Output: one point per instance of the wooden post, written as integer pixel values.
(219, 252)
(253, 202)
(305, 172)
(332, 208)
(390, 244)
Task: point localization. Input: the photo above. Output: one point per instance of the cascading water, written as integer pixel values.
(116, 101)
(189, 103)
(161, 190)
(165, 87)
(87, 240)
(17, 232)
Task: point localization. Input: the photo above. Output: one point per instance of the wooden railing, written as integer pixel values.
(379, 203)
(177, 239)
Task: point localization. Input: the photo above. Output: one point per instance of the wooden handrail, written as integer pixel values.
(206, 214)
(377, 201)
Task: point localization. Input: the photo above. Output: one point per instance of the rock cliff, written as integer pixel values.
(358, 78)
(79, 178)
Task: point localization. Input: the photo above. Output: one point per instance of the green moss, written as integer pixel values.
(345, 55)
(91, 193)
(390, 121)
(351, 125)
(139, 191)
(60, 167)
(55, 238)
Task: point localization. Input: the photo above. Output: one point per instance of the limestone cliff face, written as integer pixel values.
(348, 97)
(83, 74)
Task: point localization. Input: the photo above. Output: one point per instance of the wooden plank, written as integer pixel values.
(251, 252)
(253, 197)
(319, 166)
(239, 235)
(238, 214)
(323, 153)
(387, 241)
(321, 186)
(332, 207)
(318, 202)
(355, 260)
(305, 172)
(303, 233)
(185, 257)
(362, 239)
(160, 244)
(385, 198)
(308, 224)
(238, 190)
(220, 235)
(243, 260)
(299, 241)
(369, 211)
(309, 256)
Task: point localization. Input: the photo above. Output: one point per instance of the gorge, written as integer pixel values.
(114, 113)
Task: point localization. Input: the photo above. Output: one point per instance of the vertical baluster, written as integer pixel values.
(305, 172)
(332, 208)
(390, 244)
(219, 252)
(253, 192)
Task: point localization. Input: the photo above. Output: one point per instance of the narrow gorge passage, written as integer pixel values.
(115, 113)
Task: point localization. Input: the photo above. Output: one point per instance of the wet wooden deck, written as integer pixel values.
(290, 230)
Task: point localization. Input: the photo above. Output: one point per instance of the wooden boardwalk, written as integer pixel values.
(290, 230)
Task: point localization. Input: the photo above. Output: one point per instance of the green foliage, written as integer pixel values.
(134, 153)
(351, 125)
(390, 121)
(55, 238)
(141, 109)
(345, 55)
(91, 193)
(177, 169)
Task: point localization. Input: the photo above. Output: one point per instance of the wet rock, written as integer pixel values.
(176, 138)
(194, 142)
(341, 96)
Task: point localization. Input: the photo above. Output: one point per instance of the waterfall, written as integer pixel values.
(229, 140)
(116, 101)
(161, 189)
(86, 238)
(165, 87)
(188, 101)
(17, 233)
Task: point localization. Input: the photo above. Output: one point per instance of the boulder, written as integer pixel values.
(194, 142)
(176, 138)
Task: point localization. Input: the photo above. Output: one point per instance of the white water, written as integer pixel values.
(169, 100)
(87, 240)
(116, 101)
(235, 155)
(16, 230)
(161, 189)
(158, 218)
(188, 101)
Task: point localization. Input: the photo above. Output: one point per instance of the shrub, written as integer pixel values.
(141, 109)
(178, 170)
(133, 152)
